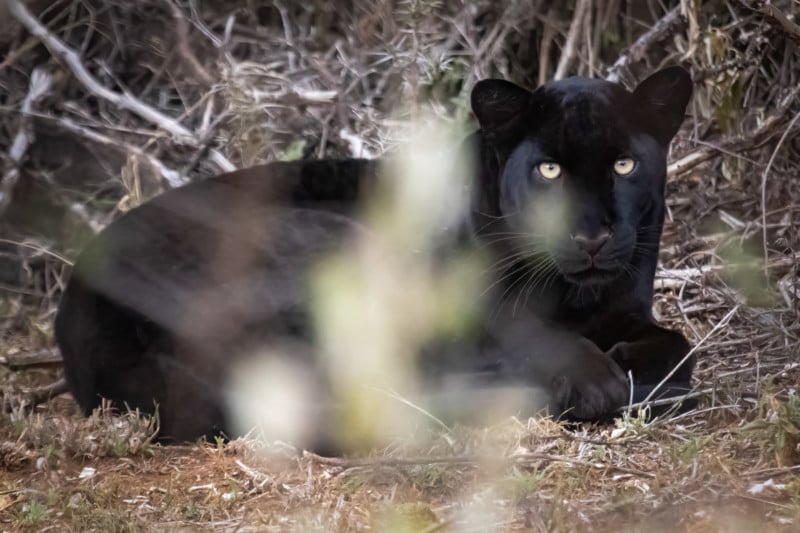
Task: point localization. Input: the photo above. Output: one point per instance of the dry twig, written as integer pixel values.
(770, 10)
(755, 139)
(668, 24)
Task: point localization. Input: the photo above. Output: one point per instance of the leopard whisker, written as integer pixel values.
(528, 253)
(495, 219)
(507, 275)
(551, 278)
(534, 269)
(505, 262)
(530, 276)
(549, 271)
(499, 305)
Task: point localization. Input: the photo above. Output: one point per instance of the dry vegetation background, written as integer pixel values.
(105, 103)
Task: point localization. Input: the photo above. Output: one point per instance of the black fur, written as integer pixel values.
(159, 300)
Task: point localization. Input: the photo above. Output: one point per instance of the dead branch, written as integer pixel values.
(21, 360)
(763, 133)
(172, 177)
(571, 45)
(45, 393)
(548, 34)
(668, 24)
(125, 100)
(769, 10)
(40, 85)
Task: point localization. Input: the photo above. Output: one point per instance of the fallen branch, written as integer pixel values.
(468, 460)
(39, 395)
(21, 360)
(668, 24)
(124, 100)
(40, 85)
(27, 399)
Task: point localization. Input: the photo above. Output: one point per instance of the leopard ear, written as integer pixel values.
(662, 99)
(497, 103)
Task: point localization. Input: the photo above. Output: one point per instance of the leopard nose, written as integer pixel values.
(591, 244)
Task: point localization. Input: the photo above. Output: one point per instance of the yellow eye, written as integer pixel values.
(624, 166)
(549, 170)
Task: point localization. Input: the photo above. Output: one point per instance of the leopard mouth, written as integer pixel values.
(593, 275)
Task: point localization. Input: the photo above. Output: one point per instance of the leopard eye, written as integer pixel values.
(549, 170)
(624, 166)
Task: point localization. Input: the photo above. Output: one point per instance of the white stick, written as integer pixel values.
(722, 323)
(40, 85)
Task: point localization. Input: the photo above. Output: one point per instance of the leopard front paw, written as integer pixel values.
(592, 387)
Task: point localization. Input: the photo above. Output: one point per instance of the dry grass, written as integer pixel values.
(253, 82)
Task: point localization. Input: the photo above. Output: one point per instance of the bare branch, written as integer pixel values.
(548, 34)
(570, 47)
(125, 100)
(668, 24)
